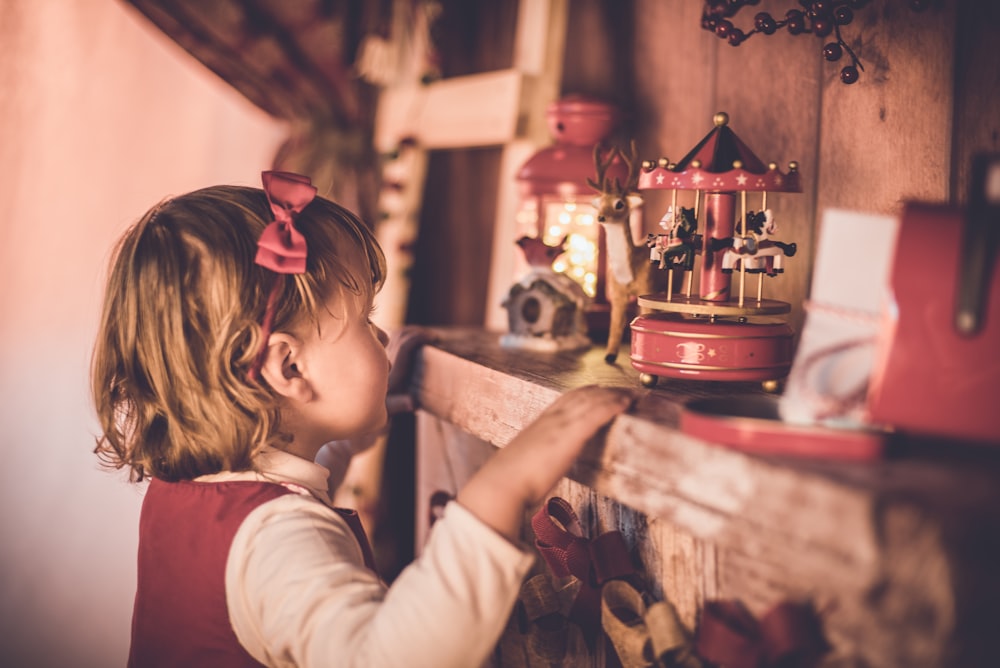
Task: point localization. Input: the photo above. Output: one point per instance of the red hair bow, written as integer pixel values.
(282, 248)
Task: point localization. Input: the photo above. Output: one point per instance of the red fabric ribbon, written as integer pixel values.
(789, 635)
(282, 248)
(559, 539)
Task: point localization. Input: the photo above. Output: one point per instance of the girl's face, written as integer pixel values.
(348, 372)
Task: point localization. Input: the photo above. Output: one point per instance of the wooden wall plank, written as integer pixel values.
(887, 138)
(686, 568)
(674, 101)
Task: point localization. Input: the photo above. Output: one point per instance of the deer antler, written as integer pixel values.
(613, 186)
(633, 163)
(602, 184)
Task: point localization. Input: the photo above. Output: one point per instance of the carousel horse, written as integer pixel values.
(757, 252)
(679, 244)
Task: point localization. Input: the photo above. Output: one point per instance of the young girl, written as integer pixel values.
(235, 343)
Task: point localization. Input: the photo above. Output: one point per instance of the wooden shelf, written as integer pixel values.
(899, 555)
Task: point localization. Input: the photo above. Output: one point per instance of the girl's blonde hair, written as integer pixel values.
(181, 328)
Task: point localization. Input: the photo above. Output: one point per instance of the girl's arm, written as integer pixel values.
(519, 476)
(298, 593)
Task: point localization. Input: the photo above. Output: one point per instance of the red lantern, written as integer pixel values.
(555, 198)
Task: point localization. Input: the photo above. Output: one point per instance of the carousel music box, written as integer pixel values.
(717, 332)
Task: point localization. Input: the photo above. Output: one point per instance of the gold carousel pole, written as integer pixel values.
(673, 225)
(690, 277)
(760, 276)
(743, 233)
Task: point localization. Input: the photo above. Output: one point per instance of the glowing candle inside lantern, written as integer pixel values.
(575, 223)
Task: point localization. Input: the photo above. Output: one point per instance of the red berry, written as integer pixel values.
(723, 28)
(849, 74)
(832, 51)
(843, 15)
(818, 9)
(765, 23)
(795, 21)
(822, 27)
(736, 36)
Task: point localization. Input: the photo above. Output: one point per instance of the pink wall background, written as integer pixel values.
(100, 117)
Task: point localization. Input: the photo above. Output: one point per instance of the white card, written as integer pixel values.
(850, 287)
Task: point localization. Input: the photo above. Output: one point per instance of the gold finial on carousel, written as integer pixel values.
(720, 119)
(737, 164)
(696, 164)
(793, 166)
(772, 166)
(662, 163)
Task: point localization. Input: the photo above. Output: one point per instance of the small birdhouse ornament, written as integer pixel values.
(545, 309)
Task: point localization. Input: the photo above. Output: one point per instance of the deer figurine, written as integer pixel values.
(629, 268)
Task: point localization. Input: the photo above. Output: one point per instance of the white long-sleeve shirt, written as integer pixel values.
(299, 594)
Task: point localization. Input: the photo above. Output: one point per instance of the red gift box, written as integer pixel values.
(937, 362)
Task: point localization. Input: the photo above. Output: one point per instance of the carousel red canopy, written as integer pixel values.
(718, 163)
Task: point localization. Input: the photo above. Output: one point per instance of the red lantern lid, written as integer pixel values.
(581, 121)
(577, 124)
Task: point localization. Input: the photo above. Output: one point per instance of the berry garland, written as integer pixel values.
(819, 17)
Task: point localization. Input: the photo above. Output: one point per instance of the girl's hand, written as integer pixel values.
(521, 474)
(400, 350)
(546, 449)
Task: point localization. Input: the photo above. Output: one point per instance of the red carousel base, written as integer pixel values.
(669, 344)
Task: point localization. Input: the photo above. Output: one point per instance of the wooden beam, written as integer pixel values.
(460, 112)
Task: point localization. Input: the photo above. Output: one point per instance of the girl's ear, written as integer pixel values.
(281, 368)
